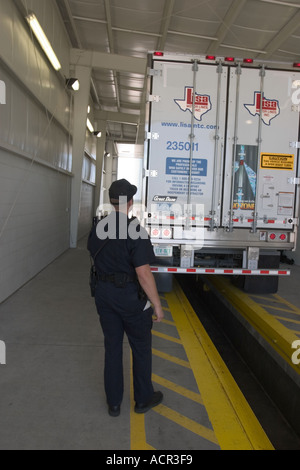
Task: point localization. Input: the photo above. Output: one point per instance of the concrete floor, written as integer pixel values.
(51, 387)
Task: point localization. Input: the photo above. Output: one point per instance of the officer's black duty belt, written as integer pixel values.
(116, 278)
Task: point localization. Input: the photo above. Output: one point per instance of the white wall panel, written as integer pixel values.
(6, 30)
(35, 148)
(33, 128)
(86, 209)
(24, 57)
(34, 219)
(18, 124)
(29, 127)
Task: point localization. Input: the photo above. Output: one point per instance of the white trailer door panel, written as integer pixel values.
(260, 162)
(185, 129)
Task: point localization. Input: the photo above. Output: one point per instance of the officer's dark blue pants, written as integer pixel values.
(137, 326)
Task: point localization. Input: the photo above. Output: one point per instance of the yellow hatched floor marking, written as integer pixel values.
(286, 302)
(233, 421)
(262, 297)
(275, 298)
(167, 337)
(277, 308)
(137, 425)
(290, 320)
(170, 358)
(168, 322)
(177, 388)
(265, 323)
(186, 423)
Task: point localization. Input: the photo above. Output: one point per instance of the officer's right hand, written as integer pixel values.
(158, 314)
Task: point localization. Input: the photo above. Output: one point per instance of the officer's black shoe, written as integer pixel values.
(114, 410)
(155, 400)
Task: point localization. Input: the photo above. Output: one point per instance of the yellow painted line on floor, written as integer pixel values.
(280, 309)
(186, 423)
(177, 389)
(168, 322)
(166, 337)
(137, 423)
(233, 421)
(286, 302)
(271, 329)
(168, 357)
(289, 320)
(261, 297)
(166, 309)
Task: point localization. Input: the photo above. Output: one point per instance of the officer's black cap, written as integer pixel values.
(120, 189)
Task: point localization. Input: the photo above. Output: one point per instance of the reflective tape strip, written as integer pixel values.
(249, 272)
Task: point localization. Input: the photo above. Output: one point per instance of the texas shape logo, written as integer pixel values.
(202, 103)
(270, 108)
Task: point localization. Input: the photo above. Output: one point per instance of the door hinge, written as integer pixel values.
(295, 145)
(152, 135)
(294, 180)
(154, 73)
(151, 173)
(154, 98)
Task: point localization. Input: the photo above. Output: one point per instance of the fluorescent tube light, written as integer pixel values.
(89, 125)
(42, 38)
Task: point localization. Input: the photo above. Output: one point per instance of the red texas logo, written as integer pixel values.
(202, 103)
(270, 108)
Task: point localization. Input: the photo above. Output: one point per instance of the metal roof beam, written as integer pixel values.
(101, 60)
(226, 23)
(167, 15)
(283, 35)
(124, 118)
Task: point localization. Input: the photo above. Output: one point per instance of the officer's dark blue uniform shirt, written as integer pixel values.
(126, 246)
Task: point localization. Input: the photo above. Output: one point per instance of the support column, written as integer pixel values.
(101, 146)
(81, 100)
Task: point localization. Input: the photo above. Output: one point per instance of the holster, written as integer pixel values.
(118, 279)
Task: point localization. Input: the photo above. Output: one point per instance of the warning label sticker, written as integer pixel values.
(277, 161)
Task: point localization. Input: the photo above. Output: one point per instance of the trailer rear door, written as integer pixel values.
(185, 150)
(261, 153)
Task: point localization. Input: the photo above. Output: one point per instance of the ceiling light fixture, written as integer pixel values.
(90, 126)
(73, 83)
(97, 133)
(43, 40)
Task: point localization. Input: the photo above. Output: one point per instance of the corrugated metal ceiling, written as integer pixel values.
(259, 29)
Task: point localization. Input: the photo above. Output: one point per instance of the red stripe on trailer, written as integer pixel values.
(256, 272)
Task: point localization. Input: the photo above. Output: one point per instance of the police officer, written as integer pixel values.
(125, 258)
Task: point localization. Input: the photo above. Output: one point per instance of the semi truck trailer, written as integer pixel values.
(221, 166)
